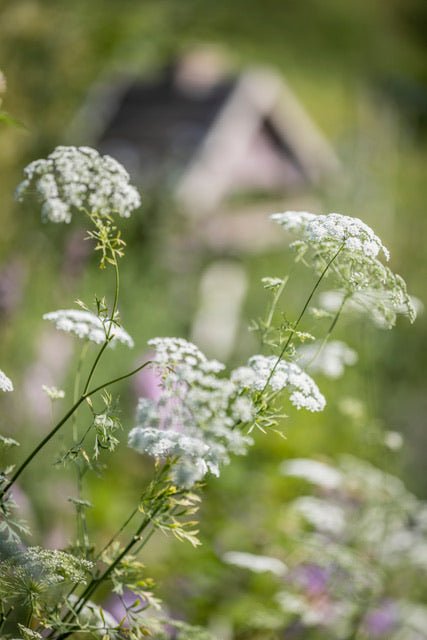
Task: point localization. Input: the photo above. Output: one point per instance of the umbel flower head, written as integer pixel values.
(350, 250)
(73, 178)
(333, 230)
(330, 358)
(195, 415)
(262, 371)
(88, 326)
(201, 416)
(256, 563)
(382, 306)
(5, 382)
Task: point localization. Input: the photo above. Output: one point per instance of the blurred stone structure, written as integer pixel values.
(214, 139)
(228, 150)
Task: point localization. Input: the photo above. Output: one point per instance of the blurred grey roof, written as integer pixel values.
(209, 135)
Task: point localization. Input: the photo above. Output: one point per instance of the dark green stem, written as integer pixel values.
(68, 415)
(108, 335)
(41, 444)
(95, 582)
(122, 528)
(304, 309)
(95, 364)
(329, 331)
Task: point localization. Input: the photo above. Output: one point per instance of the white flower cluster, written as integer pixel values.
(335, 229)
(164, 443)
(57, 566)
(198, 416)
(319, 473)
(295, 221)
(183, 357)
(256, 563)
(366, 531)
(79, 177)
(5, 382)
(88, 326)
(382, 306)
(352, 251)
(366, 507)
(329, 359)
(321, 514)
(262, 371)
(53, 393)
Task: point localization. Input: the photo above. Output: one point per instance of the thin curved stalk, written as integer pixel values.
(63, 420)
(329, 331)
(41, 444)
(116, 535)
(274, 303)
(304, 309)
(81, 522)
(95, 582)
(108, 333)
(77, 384)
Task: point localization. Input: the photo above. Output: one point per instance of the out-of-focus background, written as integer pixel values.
(222, 113)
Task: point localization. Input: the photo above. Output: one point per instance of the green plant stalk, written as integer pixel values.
(82, 526)
(77, 385)
(95, 582)
(63, 420)
(4, 616)
(118, 532)
(128, 519)
(80, 513)
(84, 395)
(304, 309)
(329, 331)
(108, 333)
(276, 297)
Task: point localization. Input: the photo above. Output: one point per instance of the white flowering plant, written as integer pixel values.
(201, 415)
(353, 557)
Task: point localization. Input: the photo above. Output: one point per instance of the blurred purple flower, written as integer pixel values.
(75, 255)
(312, 578)
(54, 353)
(118, 606)
(12, 277)
(382, 619)
(147, 383)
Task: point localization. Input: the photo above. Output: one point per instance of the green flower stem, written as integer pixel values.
(81, 522)
(123, 377)
(108, 333)
(111, 319)
(116, 295)
(86, 394)
(4, 616)
(95, 582)
(335, 320)
(76, 390)
(276, 297)
(329, 331)
(157, 478)
(116, 535)
(304, 309)
(95, 364)
(82, 527)
(109, 543)
(63, 420)
(41, 444)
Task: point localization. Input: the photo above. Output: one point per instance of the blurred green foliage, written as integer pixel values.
(360, 70)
